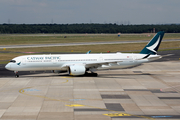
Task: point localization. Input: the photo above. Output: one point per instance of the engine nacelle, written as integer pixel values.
(77, 70)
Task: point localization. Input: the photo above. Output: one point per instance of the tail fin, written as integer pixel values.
(153, 45)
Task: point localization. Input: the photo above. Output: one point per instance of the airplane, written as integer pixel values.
(79, 64)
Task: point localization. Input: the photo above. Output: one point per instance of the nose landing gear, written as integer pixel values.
(16, 74)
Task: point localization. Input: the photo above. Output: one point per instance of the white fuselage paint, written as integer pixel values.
(57, 61)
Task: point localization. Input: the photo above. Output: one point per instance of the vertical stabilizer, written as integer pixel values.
(153, 45)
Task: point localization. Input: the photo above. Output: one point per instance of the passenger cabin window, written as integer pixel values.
(13, 61)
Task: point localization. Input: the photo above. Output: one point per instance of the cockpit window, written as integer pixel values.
(13, 61)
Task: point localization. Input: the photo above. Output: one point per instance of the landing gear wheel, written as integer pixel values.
(95, 74)
(91, 74)
(16, 76)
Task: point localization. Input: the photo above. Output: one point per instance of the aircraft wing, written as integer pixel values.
(90, 65)
(98, 64)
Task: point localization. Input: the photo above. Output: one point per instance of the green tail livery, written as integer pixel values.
(153, 45)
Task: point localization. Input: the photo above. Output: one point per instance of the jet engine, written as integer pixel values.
(76, 70)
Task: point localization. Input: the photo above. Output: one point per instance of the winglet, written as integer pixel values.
(153, 45)
(88, 52)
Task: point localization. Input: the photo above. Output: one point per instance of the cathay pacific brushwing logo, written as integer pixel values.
(19, 63)
(151, 48)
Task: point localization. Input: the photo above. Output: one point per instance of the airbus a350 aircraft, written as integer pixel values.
(79, 64)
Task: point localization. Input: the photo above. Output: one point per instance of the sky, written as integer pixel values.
(89, 11)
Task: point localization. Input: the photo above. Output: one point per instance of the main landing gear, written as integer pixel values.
(16, 74)
(92, 74)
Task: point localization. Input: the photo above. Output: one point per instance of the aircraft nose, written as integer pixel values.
(8, 66)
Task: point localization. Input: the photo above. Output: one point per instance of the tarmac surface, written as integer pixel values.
(150, 91)
(81, 43)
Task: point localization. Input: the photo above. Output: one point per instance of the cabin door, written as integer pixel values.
(24, 61)
(100, 59)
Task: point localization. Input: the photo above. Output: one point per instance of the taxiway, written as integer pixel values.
(150, 91)
(81, 43)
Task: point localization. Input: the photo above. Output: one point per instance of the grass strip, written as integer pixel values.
(8, 54)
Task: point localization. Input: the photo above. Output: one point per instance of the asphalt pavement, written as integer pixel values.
(80, 43)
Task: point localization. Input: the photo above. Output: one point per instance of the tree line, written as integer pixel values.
(86, 28)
